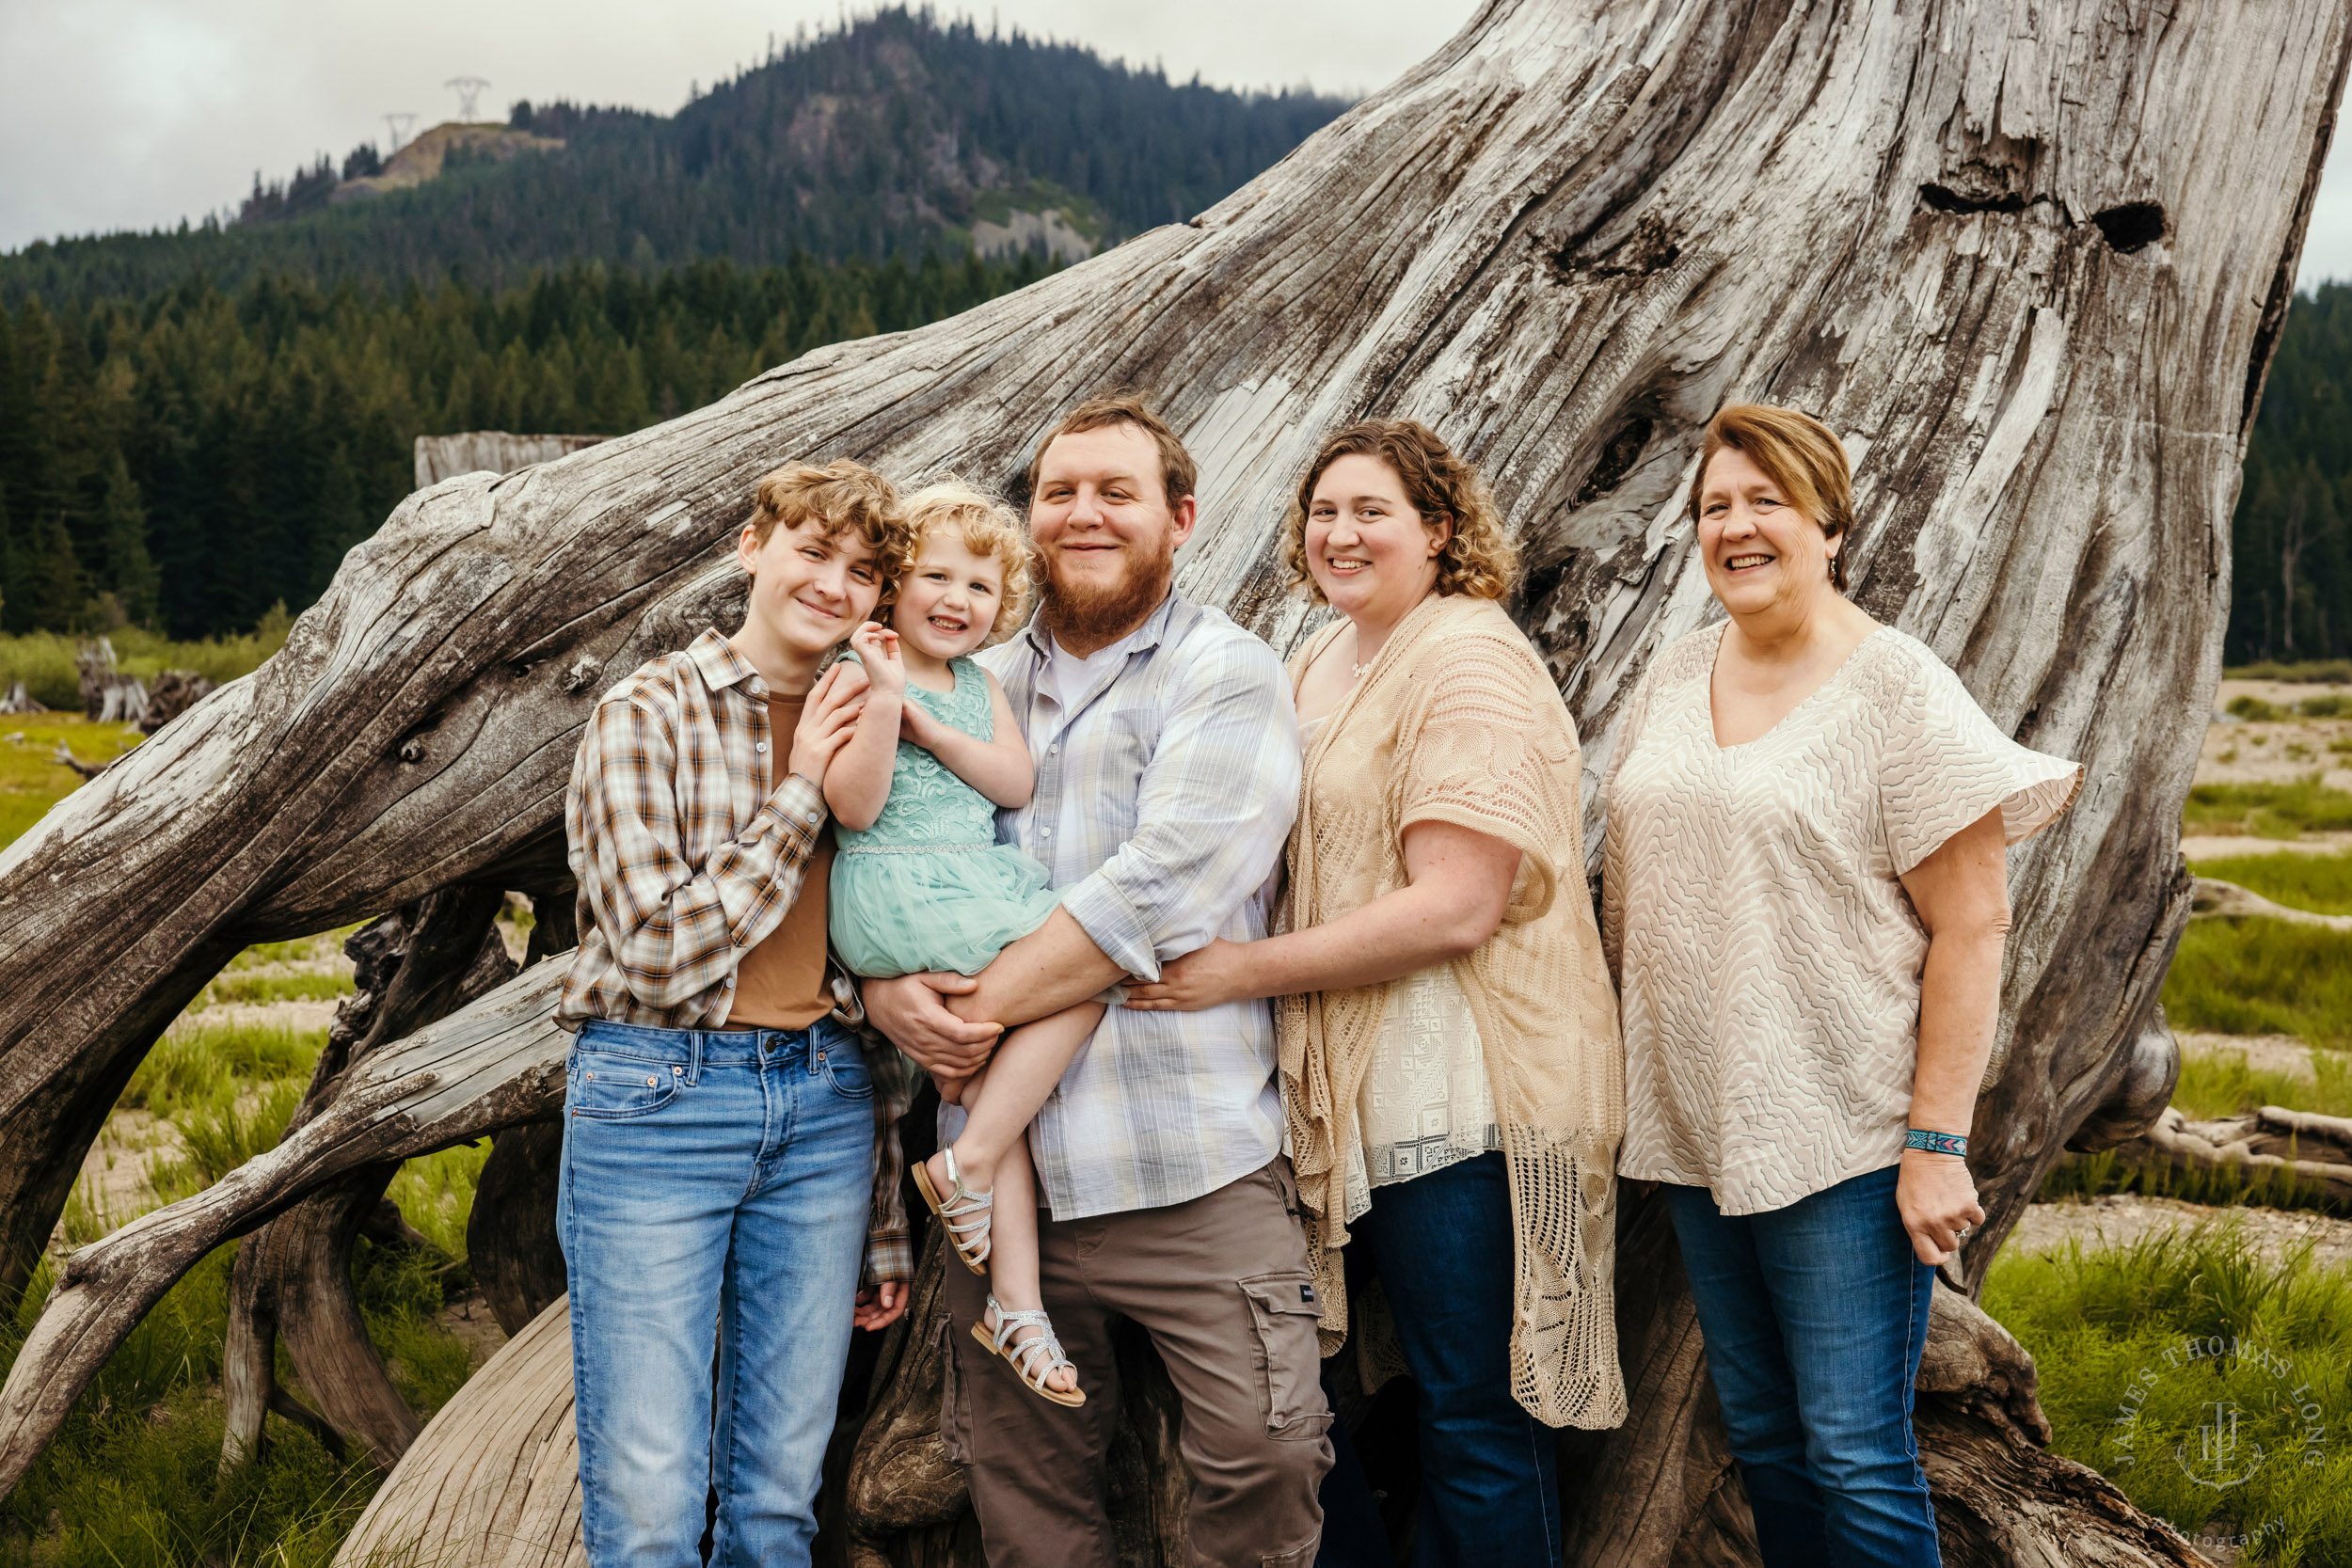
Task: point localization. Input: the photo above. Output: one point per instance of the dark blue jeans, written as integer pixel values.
(1489, 1492)
(1815, 1316)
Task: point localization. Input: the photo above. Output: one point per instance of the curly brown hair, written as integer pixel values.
(840, 496)
(987, 528)
(1478, 560)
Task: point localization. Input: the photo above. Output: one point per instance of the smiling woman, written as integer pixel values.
(1805, 899)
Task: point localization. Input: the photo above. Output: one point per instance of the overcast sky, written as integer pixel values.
(131, 113)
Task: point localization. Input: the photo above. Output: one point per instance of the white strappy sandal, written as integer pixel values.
(1035, 1359)
(965, 1214)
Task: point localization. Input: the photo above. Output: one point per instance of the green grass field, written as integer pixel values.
(43, 660)
(2321, 883)
(2262, 978)
(2277, 810)
(2122, 1339)
(32, 779)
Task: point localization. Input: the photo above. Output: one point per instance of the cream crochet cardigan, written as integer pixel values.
(1458, 720)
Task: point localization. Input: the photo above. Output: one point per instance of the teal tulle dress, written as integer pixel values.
(928, 887)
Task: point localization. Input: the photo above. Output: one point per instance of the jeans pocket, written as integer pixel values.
(846, 1070)
(1284, 1309)
(602, 1088)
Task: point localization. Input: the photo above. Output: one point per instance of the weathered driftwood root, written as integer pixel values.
(2031, 261)
(494, 1065)
(292, 1278)
(493, 1481)
(510, 1237)
(2311, 1153)
(2219, 900)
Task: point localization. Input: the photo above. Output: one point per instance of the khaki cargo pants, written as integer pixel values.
(1221, 1284)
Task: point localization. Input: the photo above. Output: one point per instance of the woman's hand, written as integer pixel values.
(1937, 1199)
(876, 647)
(828, 719)
(1206, 978)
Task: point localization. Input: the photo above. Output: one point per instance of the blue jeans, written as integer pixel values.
(1815, 1316)
(714, 1181)
(1490, 1488)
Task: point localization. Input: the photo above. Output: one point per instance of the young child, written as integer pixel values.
(921, 884)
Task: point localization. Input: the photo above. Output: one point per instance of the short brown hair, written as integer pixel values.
(840, 496)
(1799, 454)
(1478, 560)
(987, 528)
(1177, 474)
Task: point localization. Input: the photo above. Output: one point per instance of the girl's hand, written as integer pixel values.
(916, 725)
(1207, 977)
(828, 719)
(877, 645)
(1937, 1199)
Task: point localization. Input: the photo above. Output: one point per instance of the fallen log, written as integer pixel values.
(2032, 261)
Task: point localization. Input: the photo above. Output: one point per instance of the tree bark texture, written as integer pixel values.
(2031, 262)
(292, 1280)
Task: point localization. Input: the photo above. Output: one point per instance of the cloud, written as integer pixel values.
(133, 114)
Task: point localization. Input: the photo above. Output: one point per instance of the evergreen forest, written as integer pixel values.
(187, 461)
(2290, 583)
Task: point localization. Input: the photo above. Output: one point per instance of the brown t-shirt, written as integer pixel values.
(780, 984)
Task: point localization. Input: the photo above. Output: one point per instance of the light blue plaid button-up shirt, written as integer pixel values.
(1182, 764)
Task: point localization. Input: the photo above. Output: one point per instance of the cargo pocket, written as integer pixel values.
(955, 1407)
(1284, 1309)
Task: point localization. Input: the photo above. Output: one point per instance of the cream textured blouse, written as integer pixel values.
(1767, 956)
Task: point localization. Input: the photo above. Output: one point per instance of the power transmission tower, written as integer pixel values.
(468, 90)
(398, 125)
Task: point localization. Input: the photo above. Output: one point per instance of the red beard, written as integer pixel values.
(1103, 615)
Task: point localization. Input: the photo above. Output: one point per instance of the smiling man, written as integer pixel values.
(721, 1122)
(1167, 755)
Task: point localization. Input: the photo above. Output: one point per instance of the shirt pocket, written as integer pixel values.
(599, 1087)
(1284, 1312)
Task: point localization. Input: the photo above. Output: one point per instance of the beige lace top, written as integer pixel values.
(1458, 720)
(1767, 954)
(1425, 1102)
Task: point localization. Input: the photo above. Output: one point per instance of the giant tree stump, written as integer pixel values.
(2033, 260)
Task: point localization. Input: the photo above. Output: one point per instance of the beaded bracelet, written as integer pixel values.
(1937, 1143)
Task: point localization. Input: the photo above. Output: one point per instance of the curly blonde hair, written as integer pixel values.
(986, 526)
(1477, 559)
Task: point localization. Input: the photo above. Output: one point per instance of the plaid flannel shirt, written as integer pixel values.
(1164, 792)
(688, 854)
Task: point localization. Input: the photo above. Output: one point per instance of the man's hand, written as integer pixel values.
(1937, 1199)
(908, 1009)
(1205, 977)
(828, 719)
(880, 1305)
